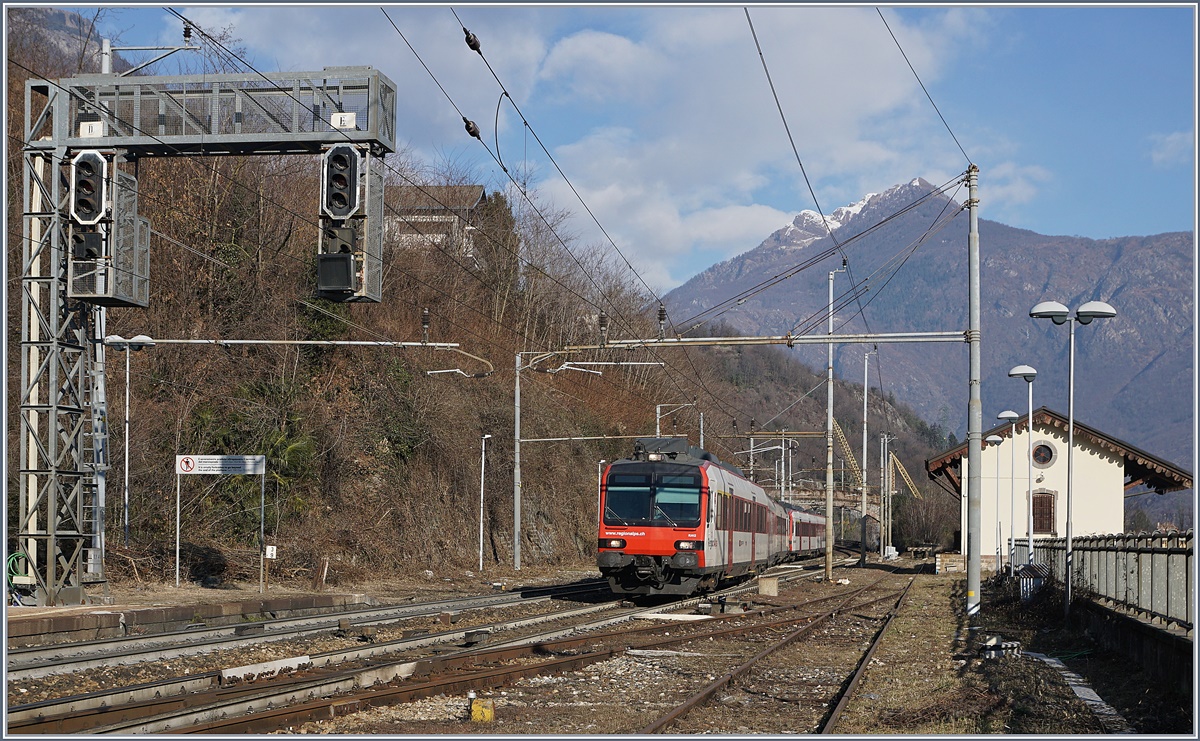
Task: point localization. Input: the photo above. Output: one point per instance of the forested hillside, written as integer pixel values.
(372, 462)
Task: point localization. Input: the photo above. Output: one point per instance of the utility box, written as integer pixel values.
(768, 585)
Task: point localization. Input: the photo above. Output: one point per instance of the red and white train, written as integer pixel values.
(676, 520)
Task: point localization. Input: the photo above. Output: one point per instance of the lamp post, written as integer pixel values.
(862, 555)
(1010, 416)
(996, 440)
(137, 342)
(599, 486)
(482, 462)
(1028, 373)
(1059, 314)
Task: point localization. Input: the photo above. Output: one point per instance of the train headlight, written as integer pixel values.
(689, 545)
(612, 543)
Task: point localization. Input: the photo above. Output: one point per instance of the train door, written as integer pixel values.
(752, 526)
(730, 504)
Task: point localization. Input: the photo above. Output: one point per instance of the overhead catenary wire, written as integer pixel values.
(474, 44)
(601, 293)
(466, 121)
(235, 182)
(922, 84)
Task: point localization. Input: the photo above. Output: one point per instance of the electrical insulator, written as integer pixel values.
(471, 128)
(472, 41)
(662, 321)
(603, 328)
(340, 181)
(89, 187)
(425, 325)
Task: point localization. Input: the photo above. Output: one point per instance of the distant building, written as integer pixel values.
(1105, 470)
(434, 217)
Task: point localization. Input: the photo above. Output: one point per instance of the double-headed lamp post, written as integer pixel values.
(1060, 314)
(137, 342)
(1028, 374)
(994, 440)
(1011, 417)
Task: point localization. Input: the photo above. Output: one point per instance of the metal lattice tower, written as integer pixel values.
(63, 428)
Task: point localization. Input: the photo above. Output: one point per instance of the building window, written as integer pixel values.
(1043, 513)
(1044, 454)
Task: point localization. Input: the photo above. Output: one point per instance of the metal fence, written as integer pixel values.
(1151, 574)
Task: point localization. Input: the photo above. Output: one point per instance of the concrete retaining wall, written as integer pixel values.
(1164, 654)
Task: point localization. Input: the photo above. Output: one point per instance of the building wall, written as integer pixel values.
(1098, 504)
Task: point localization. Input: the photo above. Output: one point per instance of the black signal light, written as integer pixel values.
(89, 187)
(340, 181)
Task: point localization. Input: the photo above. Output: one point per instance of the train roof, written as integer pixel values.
(678, 450)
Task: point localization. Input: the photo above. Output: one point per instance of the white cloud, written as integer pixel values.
(600, 67)
(661, 117)
(1170, 150)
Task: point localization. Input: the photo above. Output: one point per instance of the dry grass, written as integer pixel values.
(927, 677)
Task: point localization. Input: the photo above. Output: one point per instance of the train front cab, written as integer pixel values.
(652, 528)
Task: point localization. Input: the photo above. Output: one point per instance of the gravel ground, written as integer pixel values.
(926, 678)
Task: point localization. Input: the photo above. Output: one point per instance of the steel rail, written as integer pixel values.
(245, 712)
(706, 693)
(848, 693)
(69, 715)
(170, 697)
(268, 718)
(39, 661)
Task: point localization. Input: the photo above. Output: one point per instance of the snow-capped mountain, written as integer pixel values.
(1136, 367)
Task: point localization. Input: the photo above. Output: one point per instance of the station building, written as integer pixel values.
(1106, 471)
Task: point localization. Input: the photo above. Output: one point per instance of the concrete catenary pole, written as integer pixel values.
(517, 467)
(829, 435)
(862, 558)
(975, 401)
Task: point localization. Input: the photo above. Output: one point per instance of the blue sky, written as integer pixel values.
(1081, 119)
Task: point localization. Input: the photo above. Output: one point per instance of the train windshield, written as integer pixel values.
(653, 498)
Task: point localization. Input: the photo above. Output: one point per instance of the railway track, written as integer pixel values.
(41, 661)
(800, 648)
(288, 692)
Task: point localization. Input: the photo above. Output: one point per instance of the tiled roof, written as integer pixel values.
(1140, 467)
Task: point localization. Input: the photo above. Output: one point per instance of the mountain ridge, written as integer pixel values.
(1131, 371)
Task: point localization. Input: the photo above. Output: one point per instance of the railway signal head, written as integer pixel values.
(339, 181)
(89, 187)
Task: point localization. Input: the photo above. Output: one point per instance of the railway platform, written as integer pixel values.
(38, 626)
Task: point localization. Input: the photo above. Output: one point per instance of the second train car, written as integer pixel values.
(675, 520)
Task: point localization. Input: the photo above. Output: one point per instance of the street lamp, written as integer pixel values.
(482, 461)
(1028, 373)
(1059, 314)
(137, 342)
(1010, 416)
(599, 486)
(996, 440)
